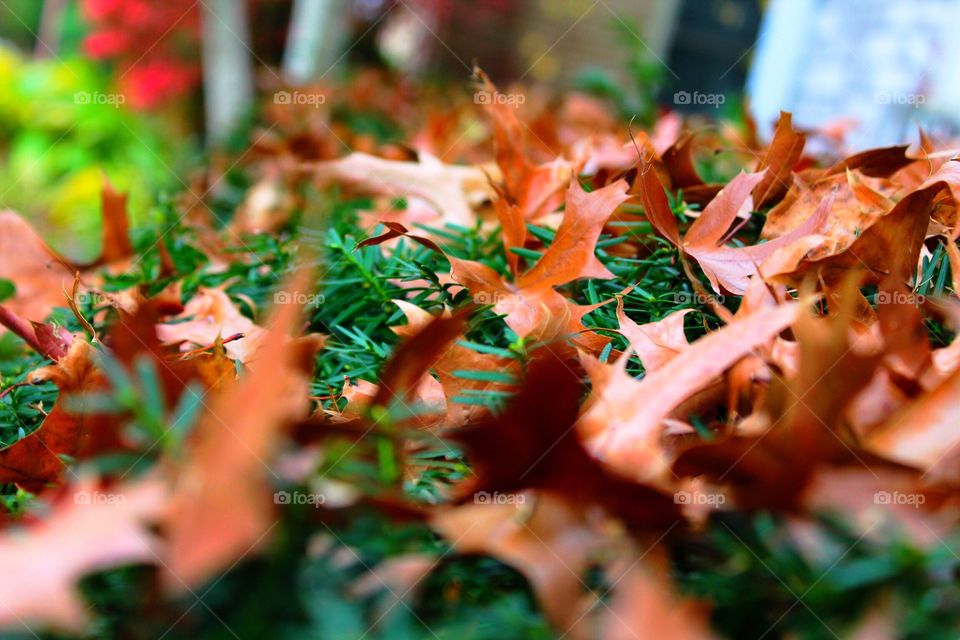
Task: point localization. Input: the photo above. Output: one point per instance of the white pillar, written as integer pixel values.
(316, 32)
(227, 67)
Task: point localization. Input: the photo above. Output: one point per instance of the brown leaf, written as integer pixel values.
(116, 227)
(623, 420)
(39, 275)
(801, 422)
(209, 315)
(534, 444)
(535, 190)
(88, 531)
(781, 157)
(34, 461)
(533, 308)
(549, 542)
(413, 358)
(655, 343)
(645, 605)
(222, 509)
(891, 246)
(726, 267)
(457, 358)
(452, 190)
(925, 431)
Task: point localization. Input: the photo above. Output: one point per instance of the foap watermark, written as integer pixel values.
(900, 98)
(288, 498)
(99, 498)
(900, 297)
(95, 298)
(485, 497)
(899, 498)
(699, 99)
(699, 498)
(299, 98)
(300, 298)
(696, 297)
(498, 297)
(482, 96)
(100, 98)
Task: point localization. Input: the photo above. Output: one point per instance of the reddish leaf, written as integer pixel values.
(452, 190)
(39, 275)
(34, 461)
(781, 157)
(88, 531)
(623, 420)
(116, 231)
(222, 507)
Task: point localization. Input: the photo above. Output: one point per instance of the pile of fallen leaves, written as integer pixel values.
(497, 372)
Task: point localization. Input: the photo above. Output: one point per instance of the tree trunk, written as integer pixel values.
(51, 22)
(315, 38)
(227, 67)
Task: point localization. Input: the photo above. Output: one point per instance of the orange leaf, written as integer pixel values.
(39, 275)
(782, 155)
(222, 508)
(88, 531)
(34, 461)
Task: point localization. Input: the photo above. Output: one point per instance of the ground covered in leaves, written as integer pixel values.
(417, 363)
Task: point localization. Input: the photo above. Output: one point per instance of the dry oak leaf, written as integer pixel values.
(782, 155)
(925, 431)
(222, 509)
(678, 163)
(864, 496)
(457, 358)
(549, 542)
(39, 275)
(857, 204)
(211, 314)
(535, 190)
(645, 605)
(889, 247)
(116, 226)
(47, 340)
(533, 308)
(34, 461)
(452, 190)
(416, 355)
(622, 421)
(655, 343)
(726, 267)
(43, 563)
(800, 425)
(534, 444)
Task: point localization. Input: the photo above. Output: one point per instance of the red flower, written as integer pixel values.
(153, 43)
(150, 84)
(98, 10)
(106, 44)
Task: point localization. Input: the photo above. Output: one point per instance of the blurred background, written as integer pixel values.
(140, 91)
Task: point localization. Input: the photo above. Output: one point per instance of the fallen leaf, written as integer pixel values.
(622, 421)
(39, 275)
(88, 531)
(34, 461)
(726, 267)
(116, 226)
(207, 316)
(782, 155)
(221, 509)
(452, 190)
(548, 542)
